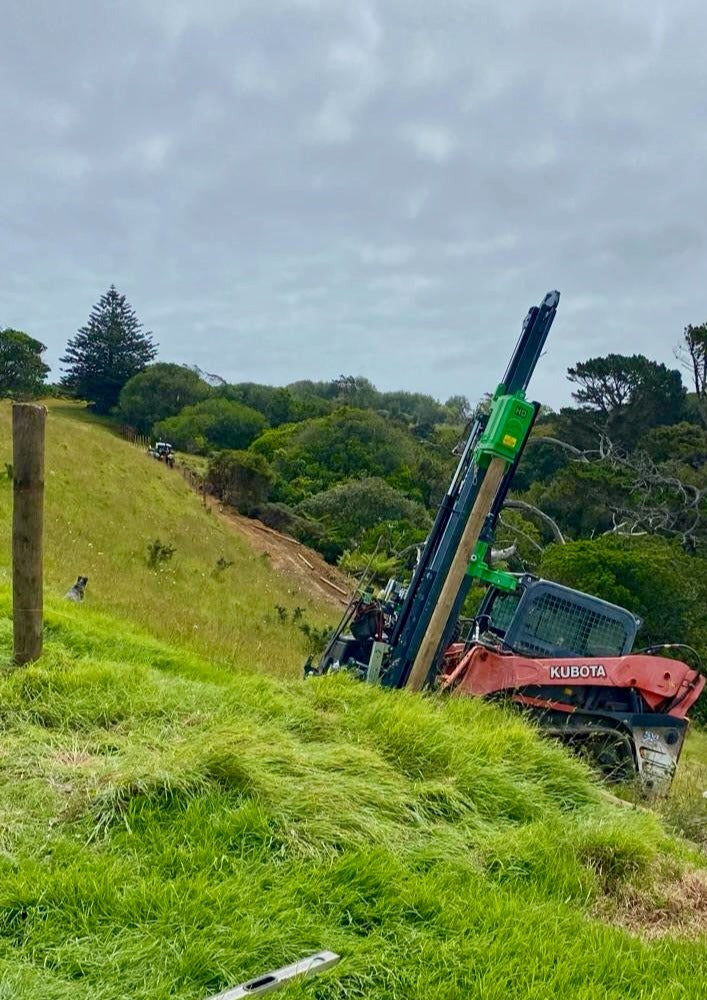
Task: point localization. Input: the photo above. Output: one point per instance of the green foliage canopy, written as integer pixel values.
(416, 410)
(628, 394)
(458, 408)
(347, 444)
(158, 392)
(650, 576)
(349, 510)
(277, 405)
(580, 497)
(213, 423)
(22, 371)
(682, 444)
(540, 461)
(241, 478)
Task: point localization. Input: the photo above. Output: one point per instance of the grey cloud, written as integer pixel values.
(297, 188)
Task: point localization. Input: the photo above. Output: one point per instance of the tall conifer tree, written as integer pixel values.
(108, 351)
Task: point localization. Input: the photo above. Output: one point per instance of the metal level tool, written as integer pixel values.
(304, 968)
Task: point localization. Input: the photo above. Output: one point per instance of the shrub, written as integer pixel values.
(158, 392)
(240, 478)
(347, 444)
(158, 553)
(213, 423)
(277, 405)
(349, 510)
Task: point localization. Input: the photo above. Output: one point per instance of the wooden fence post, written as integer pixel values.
(28, 420)
(455, 576)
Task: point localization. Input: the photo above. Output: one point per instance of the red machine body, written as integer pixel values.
(665, 685)
(634, 706)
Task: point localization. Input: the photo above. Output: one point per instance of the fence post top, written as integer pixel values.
(19, 405)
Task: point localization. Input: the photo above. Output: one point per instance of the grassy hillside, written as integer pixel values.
(106, 501)
(179, 811)
(169, 828)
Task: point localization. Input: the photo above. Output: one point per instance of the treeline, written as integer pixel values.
(610, 496)
(336, 463)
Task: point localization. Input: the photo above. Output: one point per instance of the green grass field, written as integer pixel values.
(179, 811)
(106, 501)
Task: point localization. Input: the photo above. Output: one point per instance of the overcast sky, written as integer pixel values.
(298, 188)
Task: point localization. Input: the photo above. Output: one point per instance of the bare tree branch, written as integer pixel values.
(408, 549)
(528, 508)
(503, 555)
(623, 528)
(658, 503)
(662, 504)
(582, 456)
(523, 534)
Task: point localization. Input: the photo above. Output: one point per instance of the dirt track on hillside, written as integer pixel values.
(315, 576)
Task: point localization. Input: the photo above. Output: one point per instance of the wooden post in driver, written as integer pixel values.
(452, 585)
(28, 421)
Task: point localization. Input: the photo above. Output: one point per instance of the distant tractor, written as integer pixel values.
(163, 452)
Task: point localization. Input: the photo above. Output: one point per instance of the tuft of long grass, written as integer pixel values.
(179, 813)
(169, 827)
(685, 810)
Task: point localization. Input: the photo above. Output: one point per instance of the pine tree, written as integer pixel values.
(108, 351)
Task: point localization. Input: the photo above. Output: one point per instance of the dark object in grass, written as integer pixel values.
(316, 637)
(76, 593)
(158, 553)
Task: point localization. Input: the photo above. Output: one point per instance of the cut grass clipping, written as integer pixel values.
(169, 829)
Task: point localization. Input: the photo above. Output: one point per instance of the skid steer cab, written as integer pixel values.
(560, 655)
(567, 657)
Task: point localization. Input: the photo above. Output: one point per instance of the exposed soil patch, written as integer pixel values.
(286, 555)
(676, 906)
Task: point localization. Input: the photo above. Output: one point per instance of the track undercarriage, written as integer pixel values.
(626, 714)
